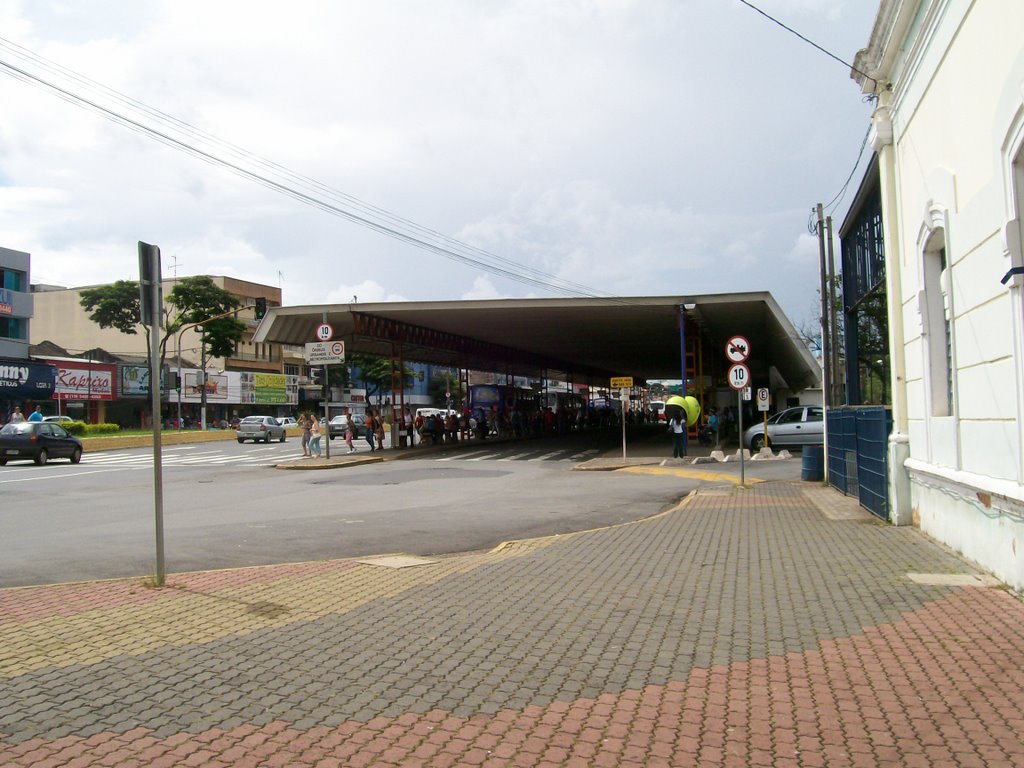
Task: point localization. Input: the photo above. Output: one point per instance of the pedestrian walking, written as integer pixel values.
(350, 431)
(677, 427)
(16, 416)
(305, 423)
(314, 437)
(713, 426)
(407, 425)
(371, 428)
(36, 415)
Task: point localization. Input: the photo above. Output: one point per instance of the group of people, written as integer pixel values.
(17, 416)
(313, 430)
(707, 434)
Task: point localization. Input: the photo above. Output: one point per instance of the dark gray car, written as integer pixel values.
(39, 441)
(260, 428)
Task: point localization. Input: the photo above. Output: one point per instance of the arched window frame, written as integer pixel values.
(935, 302)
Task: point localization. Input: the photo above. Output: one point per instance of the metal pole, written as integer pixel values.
(682, 364)
(825, 343)
(739, 418)
(202, 392)
(834, 325)
(154, 389)
(826, 346)
(325, 428)
(625, 402)
(181, 384)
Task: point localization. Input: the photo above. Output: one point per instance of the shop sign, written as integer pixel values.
(85, 382)
(134, 381)
(30, 380)
(270, 388)
(6, 302)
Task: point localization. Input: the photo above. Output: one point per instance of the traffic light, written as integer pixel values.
(261, 307)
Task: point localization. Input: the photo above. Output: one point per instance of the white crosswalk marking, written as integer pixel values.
(184, 456)
(520, 455)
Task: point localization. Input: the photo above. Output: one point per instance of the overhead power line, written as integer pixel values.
(187, 138)
(807, 40)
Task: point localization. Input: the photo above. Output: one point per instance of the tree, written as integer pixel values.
(443, 382)
(374, 372)
(195, 299)
(113, 306)
(191, 300)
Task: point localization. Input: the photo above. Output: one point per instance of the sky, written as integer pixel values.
(601, 147)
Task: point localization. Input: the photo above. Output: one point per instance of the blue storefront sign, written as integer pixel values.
(21, 379)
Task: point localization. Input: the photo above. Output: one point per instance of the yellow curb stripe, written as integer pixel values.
(693, 474)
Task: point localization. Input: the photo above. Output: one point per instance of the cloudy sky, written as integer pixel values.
(626, 147)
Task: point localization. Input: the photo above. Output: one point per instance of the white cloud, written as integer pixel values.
(630, 147)
(482, 289)
(366, 292)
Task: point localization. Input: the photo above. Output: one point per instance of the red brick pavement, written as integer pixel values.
(942, 686)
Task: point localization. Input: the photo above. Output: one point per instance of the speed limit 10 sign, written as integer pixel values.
(739, 376)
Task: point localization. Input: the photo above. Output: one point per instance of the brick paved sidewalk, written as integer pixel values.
(744, 628)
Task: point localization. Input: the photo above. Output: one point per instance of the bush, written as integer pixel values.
(81, 429)
(94, 430)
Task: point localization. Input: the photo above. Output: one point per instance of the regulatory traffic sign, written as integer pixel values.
(739, 376)
(762, 398)
(325, 352)
(324, 332)
(737, 349)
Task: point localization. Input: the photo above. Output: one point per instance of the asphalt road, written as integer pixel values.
(226, 506)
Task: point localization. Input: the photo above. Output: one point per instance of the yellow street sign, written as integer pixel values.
(621, 381)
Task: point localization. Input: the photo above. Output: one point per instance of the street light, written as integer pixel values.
(181, 382)
(202, 377)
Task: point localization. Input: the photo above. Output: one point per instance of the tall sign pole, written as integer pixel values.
(151, 310)
(623, 384)
(737, 350)
(325, 332)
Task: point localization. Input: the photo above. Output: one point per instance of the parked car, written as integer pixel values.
(336, 426)
(286, 421)
(257, 428)
(39, 441)
(803, 425)
(61, 419)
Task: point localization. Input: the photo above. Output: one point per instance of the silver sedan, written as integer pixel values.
(803, 425)
(260, 429)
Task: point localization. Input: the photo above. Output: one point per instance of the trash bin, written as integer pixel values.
(813, 463)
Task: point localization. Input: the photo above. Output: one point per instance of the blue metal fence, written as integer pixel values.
(858, 455)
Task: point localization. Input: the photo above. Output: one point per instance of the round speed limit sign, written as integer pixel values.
(739, 376)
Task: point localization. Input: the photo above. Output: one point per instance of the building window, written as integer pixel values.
(865, 328)
(938, 324)
(12, 328)
(12, 280)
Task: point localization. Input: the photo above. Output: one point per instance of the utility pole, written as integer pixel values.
(833, 314)
(826, 346)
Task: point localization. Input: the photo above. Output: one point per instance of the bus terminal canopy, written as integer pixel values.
(583, 340)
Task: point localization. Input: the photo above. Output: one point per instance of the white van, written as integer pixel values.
(424, 412)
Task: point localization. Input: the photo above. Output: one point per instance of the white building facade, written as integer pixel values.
(949, 134)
